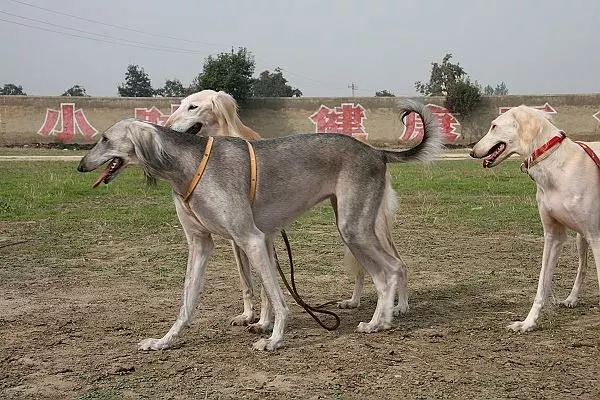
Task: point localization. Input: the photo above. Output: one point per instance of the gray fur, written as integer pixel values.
(294, 173)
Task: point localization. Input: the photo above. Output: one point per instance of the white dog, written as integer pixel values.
(211, 113)
(568, 190)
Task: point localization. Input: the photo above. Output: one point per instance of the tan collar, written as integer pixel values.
(202, 167)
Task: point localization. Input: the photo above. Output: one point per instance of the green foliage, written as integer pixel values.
(137, 83)
(10, 89)
(451, 80)
(230, 72)
(463, 97)
(442, 77)
(499, 90)
(172, 88)
(273, 85)
(384, 93)
(75, 91)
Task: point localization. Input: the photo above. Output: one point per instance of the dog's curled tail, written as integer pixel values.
(431, 145)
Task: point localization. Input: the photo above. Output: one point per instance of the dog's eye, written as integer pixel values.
(104, 139)
(493, 127)
(192, 107)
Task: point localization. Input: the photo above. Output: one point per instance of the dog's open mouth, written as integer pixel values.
(110, 171)
(493, 154)
(194, 129)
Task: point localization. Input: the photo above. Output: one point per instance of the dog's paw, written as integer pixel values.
(260, 328)
(400, 309)
(521, 326)
(570, 302)
(153, 344)
(364, 327)
(349, 303)
(266, 344)
(243, 319)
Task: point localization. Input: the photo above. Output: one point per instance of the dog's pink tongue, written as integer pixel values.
(102, 176)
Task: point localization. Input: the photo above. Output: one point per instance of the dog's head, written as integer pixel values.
(129, 141)
(204, 113)
(513, 132)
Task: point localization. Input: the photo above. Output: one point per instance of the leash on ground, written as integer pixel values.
(294, 292)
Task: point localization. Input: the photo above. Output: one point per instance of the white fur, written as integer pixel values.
(568, 189)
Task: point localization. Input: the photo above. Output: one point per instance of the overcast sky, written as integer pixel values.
(534, 46)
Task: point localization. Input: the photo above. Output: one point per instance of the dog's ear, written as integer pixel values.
(224, 108)
(528, 123)
(148, 148)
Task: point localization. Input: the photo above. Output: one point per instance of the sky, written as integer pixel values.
(534, 46)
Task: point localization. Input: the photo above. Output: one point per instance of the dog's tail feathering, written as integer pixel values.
(431, 145)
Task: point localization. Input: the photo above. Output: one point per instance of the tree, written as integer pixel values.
(76, 90)
(10, 89)
(499, 90)
(230, 72)
(172, 88)
(137, 83)
(463, 97)
(442, 76)
(273, 85)
(451, 80)
(384, 93)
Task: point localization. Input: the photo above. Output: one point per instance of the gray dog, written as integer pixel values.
(294, 173)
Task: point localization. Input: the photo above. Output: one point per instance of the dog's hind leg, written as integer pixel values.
(249, 315)
(265, 323)
(554, 238)
(383, 230)
(582, 249)
(352, 264)
(200, 248)
(595, 245)
(379, 263)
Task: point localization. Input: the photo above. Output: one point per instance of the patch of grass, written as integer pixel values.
(101, 394)
(55, 206)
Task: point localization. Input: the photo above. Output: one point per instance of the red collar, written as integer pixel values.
(545, 148)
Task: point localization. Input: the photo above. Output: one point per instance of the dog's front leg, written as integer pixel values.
(200, 248)
(582, 248)
(249, 315)
(554, 238)
(256, 248)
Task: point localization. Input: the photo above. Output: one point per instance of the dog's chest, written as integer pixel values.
(569, 209)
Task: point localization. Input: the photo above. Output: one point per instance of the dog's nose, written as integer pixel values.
(80, 167)
(472, 153)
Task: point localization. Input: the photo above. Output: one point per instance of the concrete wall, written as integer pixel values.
(28, 119)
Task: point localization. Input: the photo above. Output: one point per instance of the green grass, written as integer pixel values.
(443, 194)
(55, 208)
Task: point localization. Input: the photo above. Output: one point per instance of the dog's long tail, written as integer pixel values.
(431, 145)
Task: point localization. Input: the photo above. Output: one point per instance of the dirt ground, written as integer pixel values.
(69, 325)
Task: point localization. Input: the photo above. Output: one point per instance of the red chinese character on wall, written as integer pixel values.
(153, 114)
(413, 125)
(347, 120)
(70, 119)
